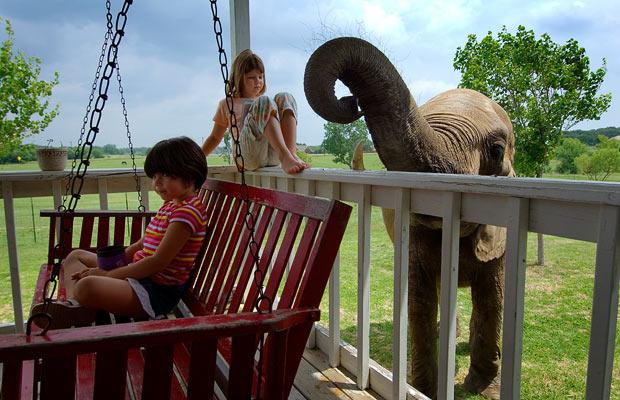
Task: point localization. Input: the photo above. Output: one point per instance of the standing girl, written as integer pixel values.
(267, 127)
(154, 280)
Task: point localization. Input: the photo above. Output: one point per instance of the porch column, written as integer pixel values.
(239, 26)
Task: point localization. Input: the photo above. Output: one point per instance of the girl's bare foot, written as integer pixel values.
(306, 165)
(292, 165)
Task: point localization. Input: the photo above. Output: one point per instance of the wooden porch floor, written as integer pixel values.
(317, 380)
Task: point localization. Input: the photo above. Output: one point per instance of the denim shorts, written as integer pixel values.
(157, 300)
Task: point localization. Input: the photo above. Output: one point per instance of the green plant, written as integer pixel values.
(23, 97)
(340, 140)
(544, 87)
(566, 154)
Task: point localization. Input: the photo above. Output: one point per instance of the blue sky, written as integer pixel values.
(171, 74)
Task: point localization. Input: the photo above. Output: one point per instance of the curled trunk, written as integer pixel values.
(400, 133)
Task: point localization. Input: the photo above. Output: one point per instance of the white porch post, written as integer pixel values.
(239, 26)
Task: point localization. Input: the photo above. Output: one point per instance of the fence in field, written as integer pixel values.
(578, 210)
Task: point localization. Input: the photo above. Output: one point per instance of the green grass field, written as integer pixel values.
(557, 301)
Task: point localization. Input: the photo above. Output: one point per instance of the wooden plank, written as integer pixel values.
(334, 299)
(58, 377)
(111, 375)
(103, 232)
(316, 385)
(334, 314)
(265, 260)
(514, 295)
(157, 372)
(241, 367)
(294, 278)
(605, 305)
(202, 370)
(85, 380)
(102, 188)
(344, 382)
(11, 239)
(119, 231)
(449, 282)
(401, 292)
(248, 266)
(11, 388)
(86, 233)
(364, 212)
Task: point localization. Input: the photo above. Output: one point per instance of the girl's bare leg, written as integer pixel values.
(76, 261)
(109, 294)
(290, 163)
(289, 133)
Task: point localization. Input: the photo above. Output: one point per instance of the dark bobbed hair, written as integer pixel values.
(180, 157)
(245, 62)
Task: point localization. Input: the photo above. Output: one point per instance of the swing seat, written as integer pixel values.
(208, 346)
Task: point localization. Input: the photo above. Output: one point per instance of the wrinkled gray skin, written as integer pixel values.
(459, 132)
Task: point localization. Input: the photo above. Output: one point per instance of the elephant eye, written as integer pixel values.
(497, 151)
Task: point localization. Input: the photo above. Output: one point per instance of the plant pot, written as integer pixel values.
(52, 158)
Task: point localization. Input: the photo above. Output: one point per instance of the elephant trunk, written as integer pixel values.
(400, 133)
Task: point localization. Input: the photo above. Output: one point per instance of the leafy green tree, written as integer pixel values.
(340, 140)
(603, 161)
(545, 88)
(566, 154)
(23, 97)
(600, 164)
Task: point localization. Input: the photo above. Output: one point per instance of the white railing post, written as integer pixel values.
(605, 305)
(363, 286)
(401, 293)
(11, 241)
(334, 314)
(102, 188)
(239, 27)
(334, 301)
(451, 228)
(514, 294)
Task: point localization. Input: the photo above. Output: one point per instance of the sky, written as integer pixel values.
(169, 61)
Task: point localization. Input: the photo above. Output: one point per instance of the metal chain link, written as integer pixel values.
(131, 153)
(249, 218)
(75, 180)
(76, 154)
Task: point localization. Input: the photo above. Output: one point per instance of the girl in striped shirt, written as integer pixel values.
(159, 264)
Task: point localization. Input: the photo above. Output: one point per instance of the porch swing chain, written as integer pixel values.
(85, 148)
(249, 218)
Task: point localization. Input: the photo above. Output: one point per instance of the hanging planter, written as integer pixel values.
(52, 158)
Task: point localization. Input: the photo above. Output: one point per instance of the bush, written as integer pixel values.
(599, 164)
(566, 154)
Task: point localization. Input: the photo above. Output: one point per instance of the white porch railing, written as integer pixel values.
(577, 210)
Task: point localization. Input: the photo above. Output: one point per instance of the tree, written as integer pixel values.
(566, 154)
(603, 161)
(544, 87)
(340, 139)
(23, 97)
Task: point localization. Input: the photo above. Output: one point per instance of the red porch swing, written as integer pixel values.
(237, 302)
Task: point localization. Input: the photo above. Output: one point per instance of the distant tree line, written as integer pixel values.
(590, 137)
(28, 152)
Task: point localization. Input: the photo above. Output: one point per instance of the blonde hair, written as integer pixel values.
(245, 62)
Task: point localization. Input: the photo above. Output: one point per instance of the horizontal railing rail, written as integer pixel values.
(587, 211)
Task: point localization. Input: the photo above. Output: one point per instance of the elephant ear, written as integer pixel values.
(489, 242)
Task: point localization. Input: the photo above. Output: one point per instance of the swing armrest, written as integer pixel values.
(103, 338)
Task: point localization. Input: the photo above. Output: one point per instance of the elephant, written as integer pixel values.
(460, 131)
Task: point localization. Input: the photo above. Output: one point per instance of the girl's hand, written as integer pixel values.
(76, 276)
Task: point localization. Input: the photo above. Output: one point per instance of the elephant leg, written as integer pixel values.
(485, 327)
(422, 307)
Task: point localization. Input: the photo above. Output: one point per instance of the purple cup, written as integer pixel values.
(111, 257)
